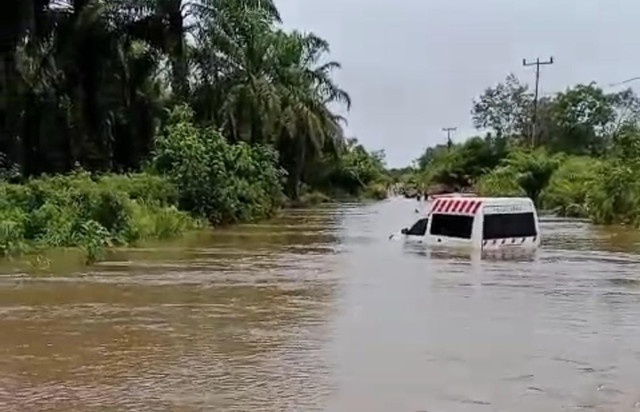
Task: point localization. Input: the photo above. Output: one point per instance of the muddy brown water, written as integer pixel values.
(318, 311)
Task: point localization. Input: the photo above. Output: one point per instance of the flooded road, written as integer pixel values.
(318, 311)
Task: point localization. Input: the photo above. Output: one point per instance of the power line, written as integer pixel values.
(624, 82)
(537, 63)
(449, 130)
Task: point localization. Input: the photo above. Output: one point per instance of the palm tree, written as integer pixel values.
(270, 87)
(236, 74)
(84, 93)
(307, 125)
(171, 24)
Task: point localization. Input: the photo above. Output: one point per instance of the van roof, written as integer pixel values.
(469, 205)
(454, 195)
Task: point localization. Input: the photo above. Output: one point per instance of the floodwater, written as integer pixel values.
(319, 311)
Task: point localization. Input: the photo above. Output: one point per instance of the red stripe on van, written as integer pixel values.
(470, 206)
(440, 205)
(454, 206)
(476, 207)
(434, 206)
(462, 206)
(449, 206)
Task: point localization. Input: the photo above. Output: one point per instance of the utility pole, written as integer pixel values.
(449, 130)
(537, 63)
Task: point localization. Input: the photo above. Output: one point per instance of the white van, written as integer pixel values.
(482, 223)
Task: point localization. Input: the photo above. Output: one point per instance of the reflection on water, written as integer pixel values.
(317, 310)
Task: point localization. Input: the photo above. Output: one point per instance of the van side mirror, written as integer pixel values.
(404, 231)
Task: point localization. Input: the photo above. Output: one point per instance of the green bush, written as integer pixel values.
(615, 190)
(570, 187)
(223, 182)
(502, 181)
(615, 193)
(522, 173)
(89, 212)
(143, 187)
(12, 231)
(154, 222)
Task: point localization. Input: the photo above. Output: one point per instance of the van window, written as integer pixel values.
(509, 225)
(419, 228)
(452, 226)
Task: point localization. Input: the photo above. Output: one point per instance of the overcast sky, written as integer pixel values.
(413, 67)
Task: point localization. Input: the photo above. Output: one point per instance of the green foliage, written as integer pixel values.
(615, 192)
(12, 231)
(348, 173)
(150, 221)
(91, 82)
(144, 187)
(89, 212)
(579, 118)
(505, 109)
(460, 165)
(221, 181)
(8, 169)
(587, 162)
(521, 173)
(615, 196)
(533, 170)
(502, 181)
(570, 187)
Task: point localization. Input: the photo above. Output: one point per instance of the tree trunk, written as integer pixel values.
(179, 64)
(295, 176)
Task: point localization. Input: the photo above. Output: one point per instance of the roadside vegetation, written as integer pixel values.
(136, 119)
(583, 161)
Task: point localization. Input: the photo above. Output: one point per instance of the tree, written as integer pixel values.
(306, 126)
(580, 116)
(90, 81)
(505, 109)
(169, 24)
(520, 173)
(460, 165)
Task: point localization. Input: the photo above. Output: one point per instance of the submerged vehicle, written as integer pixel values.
(484, 223)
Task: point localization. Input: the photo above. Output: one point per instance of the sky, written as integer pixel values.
(413, 67)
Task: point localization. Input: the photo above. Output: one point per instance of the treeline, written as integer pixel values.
(211, 97)
(582, 159)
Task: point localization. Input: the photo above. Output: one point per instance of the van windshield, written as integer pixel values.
(509, 225)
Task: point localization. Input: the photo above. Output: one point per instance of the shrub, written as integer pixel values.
(521, 173)
(615, 193)
(142, 187)
(12, 230)
(91, 213)
(570, 187)
(223, 182)
(150, 221)
(615, 190)
(502, 181)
